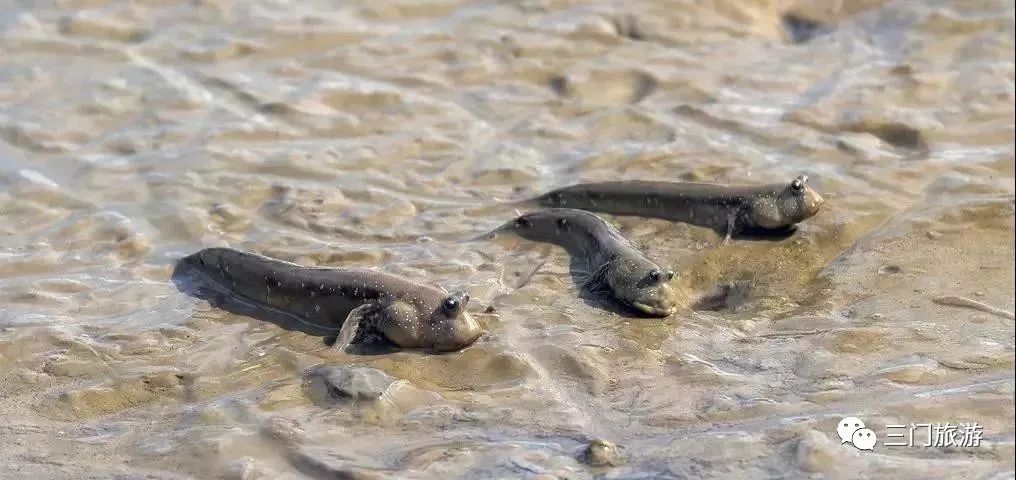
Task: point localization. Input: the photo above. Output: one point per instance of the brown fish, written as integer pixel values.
(725, 208)
(358, 302)
(613, 264)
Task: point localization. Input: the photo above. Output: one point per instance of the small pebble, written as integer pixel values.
(330, 384)
(889, 269)
(601, 453)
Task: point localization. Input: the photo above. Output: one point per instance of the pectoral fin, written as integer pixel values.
(355, 325)
(731, 227)
(525, 279)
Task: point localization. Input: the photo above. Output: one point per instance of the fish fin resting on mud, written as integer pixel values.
(731, 226)
(504, 267)
(525, 280)
(354, 326)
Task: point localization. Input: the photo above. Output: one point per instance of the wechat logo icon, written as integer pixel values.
(852, 430)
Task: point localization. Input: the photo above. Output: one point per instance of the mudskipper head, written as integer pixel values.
(787, 205)
(441, 325)
(449, 326)
(643, 285)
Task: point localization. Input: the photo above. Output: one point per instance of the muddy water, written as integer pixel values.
(132, 133)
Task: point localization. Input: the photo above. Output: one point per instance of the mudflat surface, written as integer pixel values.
(328, 133)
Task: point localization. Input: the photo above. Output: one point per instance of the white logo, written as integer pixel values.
(852, 430)
(962, 435)
(864, 439)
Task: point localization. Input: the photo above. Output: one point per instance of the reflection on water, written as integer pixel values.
(387, 133)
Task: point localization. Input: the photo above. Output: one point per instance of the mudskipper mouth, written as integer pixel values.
(815, 205)
(454, 346)
(654, 310)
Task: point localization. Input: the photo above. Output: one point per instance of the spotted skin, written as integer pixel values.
(406, 313)
(614, 265)
(724, 208)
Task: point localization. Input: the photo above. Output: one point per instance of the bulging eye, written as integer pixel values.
(522, 222)
(656, 276)
(797, 185)
(450, 304)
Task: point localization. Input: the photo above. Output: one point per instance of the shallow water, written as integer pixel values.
(132, 133)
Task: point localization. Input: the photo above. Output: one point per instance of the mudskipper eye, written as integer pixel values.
(655, 275)
(450, 304)
(522, 222)
(562, 222)
(797, 185)
(669, 274)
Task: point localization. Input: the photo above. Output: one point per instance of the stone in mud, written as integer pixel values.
(330, 384)
(248, 468)
(868, 138)
(733, 297)
(816, 452)
(601, 453)
(283, 431)
(895, 134)
(605, 87)
(860, 144)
